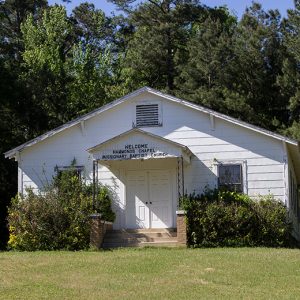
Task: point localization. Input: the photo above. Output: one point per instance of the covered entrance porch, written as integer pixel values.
(149, 172)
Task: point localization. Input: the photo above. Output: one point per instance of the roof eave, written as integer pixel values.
(10, 154)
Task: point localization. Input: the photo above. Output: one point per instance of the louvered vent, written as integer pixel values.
(147, 115)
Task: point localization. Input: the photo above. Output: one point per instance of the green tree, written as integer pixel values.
(161, 33)
(205, 75)
(92, 27)
(70, 71)
(91, 80)
(14, 109)
(289, 80)
(258, 52)
(12, 14)
(99, 47)
(48, 42)
(233, 67)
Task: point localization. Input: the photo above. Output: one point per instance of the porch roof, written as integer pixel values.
(139, 144)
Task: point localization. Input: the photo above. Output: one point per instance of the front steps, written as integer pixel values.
(160, 237)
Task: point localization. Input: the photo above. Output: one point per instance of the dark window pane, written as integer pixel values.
(230, 177)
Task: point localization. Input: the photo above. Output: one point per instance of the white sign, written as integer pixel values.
(133, 151)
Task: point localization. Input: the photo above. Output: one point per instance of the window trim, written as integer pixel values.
(153, 102)
(243, 164)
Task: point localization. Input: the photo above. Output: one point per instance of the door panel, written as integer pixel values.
(160, 199)
(137, 211)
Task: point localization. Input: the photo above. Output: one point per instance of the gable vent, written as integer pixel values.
(147, 115)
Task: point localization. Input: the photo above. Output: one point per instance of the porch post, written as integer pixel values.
(180, 177)
(94, 184)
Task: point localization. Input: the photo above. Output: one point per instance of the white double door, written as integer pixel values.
(149, 199)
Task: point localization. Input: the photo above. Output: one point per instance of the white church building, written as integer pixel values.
(151, 148)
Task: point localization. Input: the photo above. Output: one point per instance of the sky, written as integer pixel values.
(235, 6)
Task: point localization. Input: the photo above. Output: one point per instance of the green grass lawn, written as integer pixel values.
(227, 273)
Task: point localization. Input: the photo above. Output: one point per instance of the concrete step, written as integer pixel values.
(152, 235)
(154, 231)
(109, 245)
(147, 230)
(109, 239)
(140, 238)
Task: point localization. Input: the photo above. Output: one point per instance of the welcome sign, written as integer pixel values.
(133, 151)
(137, 144)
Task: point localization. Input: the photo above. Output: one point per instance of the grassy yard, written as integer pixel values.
(152, 274)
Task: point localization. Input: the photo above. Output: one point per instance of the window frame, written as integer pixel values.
(242, 163)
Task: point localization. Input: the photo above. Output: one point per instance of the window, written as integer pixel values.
(76, 169)
(147, 115)
(230, 177)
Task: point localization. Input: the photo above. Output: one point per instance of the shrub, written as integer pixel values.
(58, 218)
(275, 229)
(103, 204)
(220, 218)
(102, 201)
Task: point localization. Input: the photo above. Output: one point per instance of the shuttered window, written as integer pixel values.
(148, 115)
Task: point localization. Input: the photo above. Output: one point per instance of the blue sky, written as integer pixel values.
(236, 6)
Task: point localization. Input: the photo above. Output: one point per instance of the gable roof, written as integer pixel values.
(13, 152)
(184, 151)
(137, 130)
